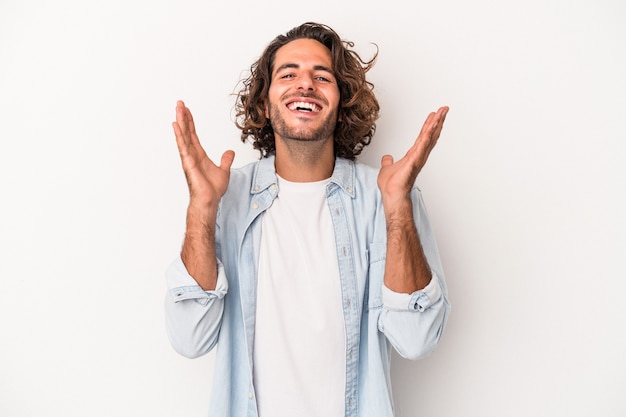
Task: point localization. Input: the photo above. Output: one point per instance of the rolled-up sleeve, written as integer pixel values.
(413, 323)
(192, 315)
(418, 301)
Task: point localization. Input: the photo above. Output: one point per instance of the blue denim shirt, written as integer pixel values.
(376, 319)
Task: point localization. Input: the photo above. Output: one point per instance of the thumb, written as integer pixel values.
(227, 159)
(386, 161)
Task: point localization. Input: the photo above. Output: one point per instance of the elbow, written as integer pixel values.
(416, 335)
(418, 349)
(186, 351)
(189, 351)
(192, 344)
(191, 328)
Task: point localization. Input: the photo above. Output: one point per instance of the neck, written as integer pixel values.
(301, 161)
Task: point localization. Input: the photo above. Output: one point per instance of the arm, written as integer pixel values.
(207, 184)
(415, 304)
(406, 268)
(196, 280)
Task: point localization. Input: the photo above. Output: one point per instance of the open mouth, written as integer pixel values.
(306, 107)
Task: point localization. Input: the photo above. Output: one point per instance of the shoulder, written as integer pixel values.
(365, 170)
(239, 185)
(244, 173)
(365, 176)
(249, 179)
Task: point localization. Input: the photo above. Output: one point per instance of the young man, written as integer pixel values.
(306, 267)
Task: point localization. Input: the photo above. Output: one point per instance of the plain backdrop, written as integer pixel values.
(525, 190)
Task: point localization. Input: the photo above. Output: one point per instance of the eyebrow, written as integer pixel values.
(315, 67)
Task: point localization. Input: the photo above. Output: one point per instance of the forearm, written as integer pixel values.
(198, 251)
(415, 303)
(406, 267)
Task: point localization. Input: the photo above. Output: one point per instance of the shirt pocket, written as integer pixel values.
(377, 253)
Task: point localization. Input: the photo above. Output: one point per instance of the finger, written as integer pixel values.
(434, 121)
(183, 148)
(181, 116)
(442, 112)
(424, 139)
(190, 123)
(191, 128)
(386, 160)
(427, 138)
(426, 132)
(187, 128)
(178, 133)
(431, 129)
(227, 160)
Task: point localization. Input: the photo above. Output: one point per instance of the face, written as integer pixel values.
(303, 95)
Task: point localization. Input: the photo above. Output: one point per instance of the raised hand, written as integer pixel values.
(395, 180)
(207, 182)
(406, 266)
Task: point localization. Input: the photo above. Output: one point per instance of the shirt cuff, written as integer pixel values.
(183, 286)
(417, 301)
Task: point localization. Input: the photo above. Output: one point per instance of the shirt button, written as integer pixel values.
(256, 188)
(272, 187)
(255, 206)
(250, 395)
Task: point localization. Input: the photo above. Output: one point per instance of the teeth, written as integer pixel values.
(301, 105)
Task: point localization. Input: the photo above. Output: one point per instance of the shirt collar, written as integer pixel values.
(344, 175)
(265, 175)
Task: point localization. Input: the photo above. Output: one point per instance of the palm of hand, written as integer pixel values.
(207, 182)
(396, 179)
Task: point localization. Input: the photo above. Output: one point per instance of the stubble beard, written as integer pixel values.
(302, 134)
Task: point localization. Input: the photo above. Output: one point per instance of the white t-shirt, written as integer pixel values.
(299, 346)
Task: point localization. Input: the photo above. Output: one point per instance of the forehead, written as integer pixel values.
(303, 52)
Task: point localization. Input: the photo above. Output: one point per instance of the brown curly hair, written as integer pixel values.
(358, 106)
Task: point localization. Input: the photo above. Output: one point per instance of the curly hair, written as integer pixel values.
(358, 106)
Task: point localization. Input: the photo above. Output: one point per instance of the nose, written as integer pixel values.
(306, 82)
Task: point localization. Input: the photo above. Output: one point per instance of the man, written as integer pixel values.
(306, 267)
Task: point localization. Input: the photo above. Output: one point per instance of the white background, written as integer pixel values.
(526, 192)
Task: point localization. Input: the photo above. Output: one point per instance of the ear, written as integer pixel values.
(267, 112)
